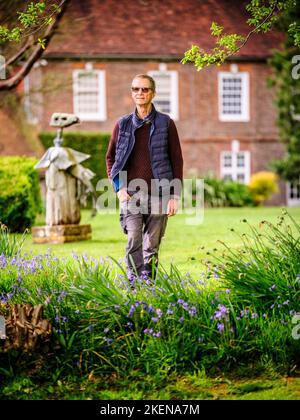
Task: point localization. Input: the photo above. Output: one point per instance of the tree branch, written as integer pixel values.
(29, 44)
(257, 27)
(14, 80)
(227, 45)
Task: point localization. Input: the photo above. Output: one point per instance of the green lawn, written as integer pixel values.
(182, 244)
(177, 387)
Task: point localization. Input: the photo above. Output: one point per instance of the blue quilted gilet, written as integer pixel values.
(158, 146)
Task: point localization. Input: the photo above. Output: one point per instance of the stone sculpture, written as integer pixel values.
(68, 184)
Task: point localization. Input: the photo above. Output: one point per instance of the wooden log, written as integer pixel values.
(26, 329)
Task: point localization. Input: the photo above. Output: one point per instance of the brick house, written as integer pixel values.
(225, 115)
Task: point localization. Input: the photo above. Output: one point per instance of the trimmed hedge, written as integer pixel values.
(94, 144)
(20, 195)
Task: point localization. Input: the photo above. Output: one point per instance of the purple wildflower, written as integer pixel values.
(220, 327)
(131, 310)
(221, 313)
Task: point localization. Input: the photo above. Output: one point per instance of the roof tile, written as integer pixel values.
(153, 28)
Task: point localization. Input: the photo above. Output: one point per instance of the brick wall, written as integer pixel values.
(12, 142)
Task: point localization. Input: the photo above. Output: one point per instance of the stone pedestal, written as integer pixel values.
(60, 234)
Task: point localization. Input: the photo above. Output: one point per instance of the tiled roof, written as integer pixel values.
(153, 28)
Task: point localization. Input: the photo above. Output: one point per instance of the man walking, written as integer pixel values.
(144, 163)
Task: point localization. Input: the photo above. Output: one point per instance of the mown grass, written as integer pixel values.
(183, 245)
(177, 387)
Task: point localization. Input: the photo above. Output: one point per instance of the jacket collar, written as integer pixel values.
(138, 122)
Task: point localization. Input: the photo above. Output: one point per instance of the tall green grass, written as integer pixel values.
(238, 312)
(10, 244)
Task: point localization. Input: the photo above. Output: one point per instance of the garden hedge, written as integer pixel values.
(20, 196)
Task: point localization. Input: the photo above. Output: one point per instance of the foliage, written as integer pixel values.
(237, 313)
(20, 198)
(262, 185)
(220, 193)
(94, 144)
(33, 17)
(286, 76)
(265, 271)
(264, 15)
(10, 245)
(25, 35)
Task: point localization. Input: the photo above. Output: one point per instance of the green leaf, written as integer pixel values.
(216, 29)
(42, 43)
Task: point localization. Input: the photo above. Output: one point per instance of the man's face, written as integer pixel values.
(142, 93)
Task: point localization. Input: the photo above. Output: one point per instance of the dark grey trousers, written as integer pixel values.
(144, 220)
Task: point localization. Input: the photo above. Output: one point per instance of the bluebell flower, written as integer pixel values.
(220, 327)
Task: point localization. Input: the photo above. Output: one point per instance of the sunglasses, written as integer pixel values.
(143, 89)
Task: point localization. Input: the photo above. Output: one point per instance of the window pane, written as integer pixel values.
(231, 95)
(88, 102)
(87, 81)
(240, 160)
(294, 190)
(162, 100)
(227, 161)
(241, 178)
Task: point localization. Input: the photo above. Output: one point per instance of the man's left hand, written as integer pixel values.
(172, 207)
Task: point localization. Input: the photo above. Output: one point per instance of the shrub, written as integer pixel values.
(262, 186)
(237, 194)
(220, 192)
(214, 195)
(20, 197)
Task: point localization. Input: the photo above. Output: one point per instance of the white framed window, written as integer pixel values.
(293, 193)
(235, 166)
(233, 96)
(166, 98)
(89, 95)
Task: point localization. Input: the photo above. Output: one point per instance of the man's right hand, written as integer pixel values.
(123, 195)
